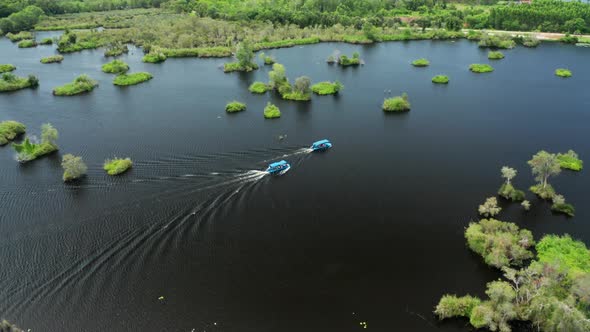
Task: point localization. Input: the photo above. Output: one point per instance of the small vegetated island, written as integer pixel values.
(397, 104)
(327, 88)
(235, 106)
(115, 67)
(29, 150)
(278, 81)
(23, 35)
(345, 61)
(258, 87)
(495, 55)
(245, 59)
(570, 160)
(81, 84)
(420, 63)
(132, 79)
(268, 60)
(46, 41)
(440, 79)
(481, 68)
(52, 59)
(271, 111)
(73, 166)
(11, 82)
(27, 43)
(507, 190)
(5, 68)
(117, 166)
(9, 130)
(562, 72)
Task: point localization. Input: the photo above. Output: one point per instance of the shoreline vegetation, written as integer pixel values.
(81, 84)
(52, 59)
(10, 82)
(132, 79)
(117, 166)
(9, 130)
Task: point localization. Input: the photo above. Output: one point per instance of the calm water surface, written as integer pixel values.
(370, 231)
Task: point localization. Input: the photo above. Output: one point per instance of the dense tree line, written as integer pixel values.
(53, 7)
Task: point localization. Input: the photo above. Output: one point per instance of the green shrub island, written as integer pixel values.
(495, 55)
(5, 68)
(570, 160)
(81, 84)
(52, 59)
(132, 79)
(507, 190)
(440, 79)
(116, 49)
(258, 87)
(453, 306)
(345, 61)
(561, 72)
(19, 36)
(11, 82)
(397, 104)
(74, 167)
(566, 252)
(115, 67)
(235, 106)
(154, 57)
(300, 90)
(481, 68)
(117, 166)
(420, 63)
(544, 165)
(560, 206)
(500, 243)
(327, 88)
(271, 111)
(28, 150)
(9, 130)
(46, 41)
(27, 43)
(245, 57)
(268, 60)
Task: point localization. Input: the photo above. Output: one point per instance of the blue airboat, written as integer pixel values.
(278, 168)
(321, 145)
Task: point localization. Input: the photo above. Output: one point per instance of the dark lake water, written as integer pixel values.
(370, 231)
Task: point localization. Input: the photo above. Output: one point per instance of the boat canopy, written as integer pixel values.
(278, 164)
(323, 141)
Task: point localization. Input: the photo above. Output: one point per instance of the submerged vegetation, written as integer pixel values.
(495, 55)
(440, 79)
(52, 59)
(481, 68)
(258, 87)
(561, 72)
(235, 106)
(73, 166)
(570, 160)
(81, 84)
(11, 82)
(5, 68)
(115, 67)
(271, 111)
(9, 130)
(117, 166)
(29, 150)
(327, 88)
(132, 79)
(420, 63)
(397, 104)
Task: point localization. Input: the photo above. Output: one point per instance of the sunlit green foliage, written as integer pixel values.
(81, 84)
(543, 166)
(481, 68)
(117, 166)
(327, 88)
(73, 166)
(495, 55)
(499, 243)
(52, 59)
(566, 252)
(489, 208)
(5, 68)
(27, 43)
(11, 82)
(397, 104)
(271, 111)
(440, 79)
(570, 160)
(46, 41)
(235, 106)
(132, 79)
(561, 72)
(245, 57)
(258, 87)
(14, 37)
(420, 63)
(507, 190)
(268, 60)
(27, 150)
(21, 20)
(116, 49)
(345, 61)
(154, 57)
(560, 206)
(497, 41)
(115, 67)
(453, 306)
(300, 90)
(9, 130)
